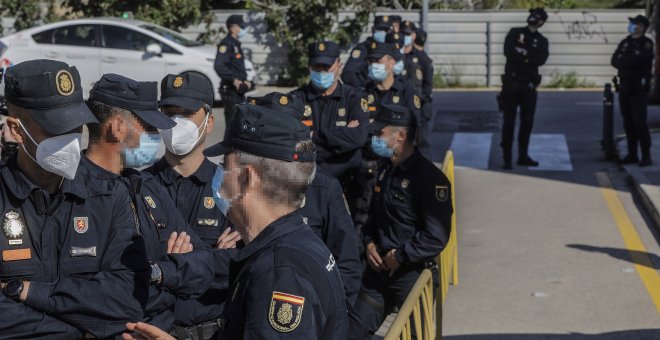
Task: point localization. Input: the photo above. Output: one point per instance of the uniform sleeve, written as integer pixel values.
(341, 139)
(637, 58)
(616, 57)
(102, 303)
(540, 55)
(342, 241)
(413, 102)
(427, 81)
(435, 214)
(221, 258)
(159, 300)
(223, 60)
(370, 229)
(263, 318)
(510, 51)
(355, 67)
(23, 322)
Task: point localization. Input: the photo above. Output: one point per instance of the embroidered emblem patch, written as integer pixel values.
(284, 100)
(418, 73)
(222, 49)
(285, 311)
(356, 53)
(404, 183)
(395, 99)
(418, 102)
(80, 224)
(364, 105)
(209, 203)
(178, 81)
(13, 227)
(308, 111)
(441, 192)
(371, 99)
(373, 45)
(341, 112)
(64, 83)
(321, 47)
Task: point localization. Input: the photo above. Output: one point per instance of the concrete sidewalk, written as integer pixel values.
(646, 180)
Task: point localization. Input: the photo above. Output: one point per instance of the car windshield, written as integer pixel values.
(172, 36)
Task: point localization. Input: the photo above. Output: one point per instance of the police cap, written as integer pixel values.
(382, 22)
(420, 39)
(236, 19)
(276, 101)
(139, 97)
(377, 50)
(392, 115)
(396, 18)
(640, 20)
(265, 132)
(408, 27)
(50, 91)
(323, 53)
(396, 39)
(189, 90)
(536, 15)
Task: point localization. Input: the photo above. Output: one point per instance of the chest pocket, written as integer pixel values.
(85, 234)
(18, 256)
(342, 117)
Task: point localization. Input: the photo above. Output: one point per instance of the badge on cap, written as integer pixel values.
(150, 201)
(341, 112)
(178, 81)
(373, 45)
(441, 192)
(356, 53)
(395, 99)
(13, 227)
(209, 203)
(386, 18)
(321, 47)
(308, 111)
(284, 100)
(64, 83)
(364, 105)
(418, 102)
(80, 224)
(418, 73)
(285, 311)
(222, 49)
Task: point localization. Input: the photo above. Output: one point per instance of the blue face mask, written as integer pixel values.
(377, 72)
(379, 36)
(631, 28)
(379, 145)
(241, 33)
(218, 177)
(322, 80)
(145, 153)
(398, 67)
(407, 40)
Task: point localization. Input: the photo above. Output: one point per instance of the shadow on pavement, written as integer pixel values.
(637, 334)
(633, 256)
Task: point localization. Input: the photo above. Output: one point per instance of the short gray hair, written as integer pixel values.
(282, 181)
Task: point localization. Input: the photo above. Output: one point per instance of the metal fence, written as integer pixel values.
(468, 46)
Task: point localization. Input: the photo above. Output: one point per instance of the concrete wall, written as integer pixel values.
(470, 44)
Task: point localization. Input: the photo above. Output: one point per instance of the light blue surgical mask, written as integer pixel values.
(216, 183)
(631, 28)
(145, 153)
(241, 33)
(322, 80)
(379, 145)
(379, 36)
(407, 40)
(398, 67)
(377, 72)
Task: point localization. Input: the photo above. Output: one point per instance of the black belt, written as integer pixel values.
(204, 331)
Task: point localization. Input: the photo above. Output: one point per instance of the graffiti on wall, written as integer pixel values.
(585, 28)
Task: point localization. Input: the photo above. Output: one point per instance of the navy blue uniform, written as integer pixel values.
(81, 252)
(356, 70)
(633, 59)
(411, 212)
(230, 65)
(325, 210)
(193, 198)
(337, 145)
(285, 284)
(184, 276)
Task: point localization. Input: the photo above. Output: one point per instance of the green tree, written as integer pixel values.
(26, 13)
(297, 23)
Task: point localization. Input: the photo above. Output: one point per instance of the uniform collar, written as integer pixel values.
(234, 40)
(397, 85)
(312, 93)
(168, 175)
(409, 162)
(280, 227)
(21, 186)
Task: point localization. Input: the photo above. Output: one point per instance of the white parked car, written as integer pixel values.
(133, 48)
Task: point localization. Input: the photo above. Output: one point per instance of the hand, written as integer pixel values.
(373, 257)
(237, 83)
(248, 84)
(25, 292)
(228, 239)
(179, 244)
(144, 331)
(390, 262)
(353, 124)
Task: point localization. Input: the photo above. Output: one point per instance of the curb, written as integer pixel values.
(649, 194)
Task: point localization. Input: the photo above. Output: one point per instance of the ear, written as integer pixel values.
(210, 124)
(14, 127)
(250, 179)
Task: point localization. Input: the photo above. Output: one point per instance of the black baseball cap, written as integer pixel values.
(408, 27)
(294, 105)
(50, 91)
(536, 15)
(396, 18)
(396, 39)
(640, 19)
(139, 97)
(189, 90)
(420, 39)
(382, 22)
(323, 53)
(236, 19)
(264, 132)
(377, 50)
(392, 115)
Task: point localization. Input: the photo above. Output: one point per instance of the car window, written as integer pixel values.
(45, 37)
(75, 35)
(128, 39)
(172, 35)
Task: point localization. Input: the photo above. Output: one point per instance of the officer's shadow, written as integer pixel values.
(636, 257)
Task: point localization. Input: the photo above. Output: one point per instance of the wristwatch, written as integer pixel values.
(13, 289)
(156, 274)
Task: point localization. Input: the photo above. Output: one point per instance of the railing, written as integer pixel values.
(417, 310)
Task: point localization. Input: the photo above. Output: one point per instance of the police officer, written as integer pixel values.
(230, 66)
(325, 209)
(525, 49)
(396, 23)
(187, 177)
(73, 263)
(419, 70)
(126, 137)
(633, 59)
(335, 112)
(285, 282)
(356, 71)
(409, 220)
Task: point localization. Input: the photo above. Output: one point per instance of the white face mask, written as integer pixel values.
(59, 155)
(184, 136)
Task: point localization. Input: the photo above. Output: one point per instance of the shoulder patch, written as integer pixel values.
(417, 101)
(285, 311)
(222, 48)
(441, 192)
(356, 53)
(364, 105)
(419, 74)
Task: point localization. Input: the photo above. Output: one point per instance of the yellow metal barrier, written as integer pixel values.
(417, 310)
